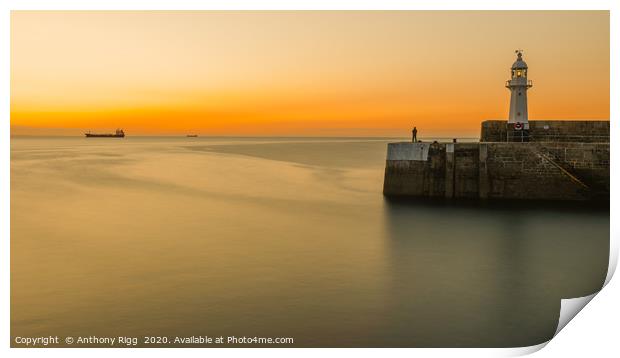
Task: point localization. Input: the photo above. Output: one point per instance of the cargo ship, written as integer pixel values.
(118, 134)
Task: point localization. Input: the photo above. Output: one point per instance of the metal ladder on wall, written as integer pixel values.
(563, 170)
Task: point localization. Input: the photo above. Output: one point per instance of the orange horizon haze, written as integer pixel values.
(302, 73)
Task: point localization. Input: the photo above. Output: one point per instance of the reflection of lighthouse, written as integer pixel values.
(518, 86)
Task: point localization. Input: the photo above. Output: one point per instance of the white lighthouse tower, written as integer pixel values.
(518, 86)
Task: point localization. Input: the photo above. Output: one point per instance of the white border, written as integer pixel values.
(593, 333)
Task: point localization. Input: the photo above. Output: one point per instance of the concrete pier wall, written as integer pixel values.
(550, 131)
(533, 171)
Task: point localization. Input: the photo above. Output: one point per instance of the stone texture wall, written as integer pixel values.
(493, 131)
(544, 171)
(550, 131)
(407, 166)
(466, 159)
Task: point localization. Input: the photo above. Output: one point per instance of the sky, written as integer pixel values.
(313, 73)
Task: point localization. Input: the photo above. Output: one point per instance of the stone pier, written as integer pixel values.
(498, 170)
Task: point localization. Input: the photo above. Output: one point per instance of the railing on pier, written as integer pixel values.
(527, 136)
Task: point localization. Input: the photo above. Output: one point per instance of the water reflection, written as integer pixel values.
(468, 276)
(165, 236)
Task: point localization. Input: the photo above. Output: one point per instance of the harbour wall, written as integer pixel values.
(583, 131)
(499, 170)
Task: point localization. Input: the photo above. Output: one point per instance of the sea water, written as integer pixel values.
(278, 237)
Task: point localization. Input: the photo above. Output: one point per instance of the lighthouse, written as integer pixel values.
(518, 86)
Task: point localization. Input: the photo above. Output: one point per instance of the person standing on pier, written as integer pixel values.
(414, 135)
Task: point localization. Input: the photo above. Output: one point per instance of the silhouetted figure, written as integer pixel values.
(414, 135)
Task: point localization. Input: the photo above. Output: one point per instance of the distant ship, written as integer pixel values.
(118, 134)
(192, 135)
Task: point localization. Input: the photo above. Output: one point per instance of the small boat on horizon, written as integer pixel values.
(192, 135)
(118, 134)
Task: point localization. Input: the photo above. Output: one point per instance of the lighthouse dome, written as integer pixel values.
(519, 63)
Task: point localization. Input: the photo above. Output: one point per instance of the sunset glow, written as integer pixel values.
(341, 73)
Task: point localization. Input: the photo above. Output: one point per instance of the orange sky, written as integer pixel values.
(346, 73)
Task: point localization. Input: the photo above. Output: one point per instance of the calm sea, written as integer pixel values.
(279, 237)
